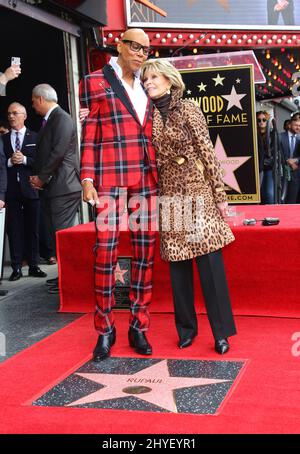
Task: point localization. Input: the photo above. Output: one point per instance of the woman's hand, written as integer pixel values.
(223, 207)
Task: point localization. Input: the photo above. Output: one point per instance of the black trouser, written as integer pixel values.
(60, 212)
(215, 291)
(293, 188)
(23, 230)
(287, 14)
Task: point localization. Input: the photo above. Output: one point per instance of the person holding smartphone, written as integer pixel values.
(9, 74)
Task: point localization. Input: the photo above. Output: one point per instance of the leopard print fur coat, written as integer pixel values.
(190, 183)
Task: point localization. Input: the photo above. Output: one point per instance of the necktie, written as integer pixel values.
(17, 148)
(293, 143)
(17, 142)
(44, 122)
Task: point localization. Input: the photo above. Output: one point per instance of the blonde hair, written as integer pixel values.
(165, 68)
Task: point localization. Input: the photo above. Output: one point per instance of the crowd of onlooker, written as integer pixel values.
(287, 171)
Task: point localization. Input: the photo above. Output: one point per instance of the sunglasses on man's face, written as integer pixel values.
(262, 120)
(136, 47)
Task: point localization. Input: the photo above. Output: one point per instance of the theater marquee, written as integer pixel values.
(227, 99)
(211, 14)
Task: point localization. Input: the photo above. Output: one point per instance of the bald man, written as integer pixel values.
(118, 163)
(22, 200)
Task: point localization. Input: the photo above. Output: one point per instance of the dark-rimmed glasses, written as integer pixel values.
(261, 120)
(136, 47)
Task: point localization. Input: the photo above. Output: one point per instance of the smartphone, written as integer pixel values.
(16, 61)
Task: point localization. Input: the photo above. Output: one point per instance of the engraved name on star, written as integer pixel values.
(234, 99)
(202, 87)
(152, 384)
(229, 164)
(218, 80)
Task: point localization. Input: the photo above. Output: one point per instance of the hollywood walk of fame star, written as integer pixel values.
(218, 80)
(152, 384)
(119, 274)
(229, 165)
(202, 87)
(234, 99)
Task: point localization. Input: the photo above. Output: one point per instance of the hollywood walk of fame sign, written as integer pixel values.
(123, 279)
(227, 100)
(144, 384)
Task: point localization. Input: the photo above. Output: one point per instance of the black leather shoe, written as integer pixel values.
(36, 272)
(185, 342)
(52, 282)
(15, 275)
(103, 346)
(221, 346)
(138, 341)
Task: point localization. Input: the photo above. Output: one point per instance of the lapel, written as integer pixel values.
(119, 90)
(26, 140)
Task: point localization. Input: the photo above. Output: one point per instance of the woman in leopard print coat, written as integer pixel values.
(192, 205)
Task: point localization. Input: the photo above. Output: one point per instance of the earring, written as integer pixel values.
(168, 91)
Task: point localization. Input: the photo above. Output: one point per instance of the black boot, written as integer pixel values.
(104, 343)
(138, 341)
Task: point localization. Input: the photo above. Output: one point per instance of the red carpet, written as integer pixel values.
(266, 398)
(262, 265)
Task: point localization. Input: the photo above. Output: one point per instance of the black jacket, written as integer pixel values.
(57, 160)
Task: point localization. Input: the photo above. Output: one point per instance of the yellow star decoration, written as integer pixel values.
(202, 87)
(218, 80)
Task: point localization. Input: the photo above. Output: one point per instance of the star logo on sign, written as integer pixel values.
(152, 384)
(202, 87)
(218, 80)
(234, 99)
(238, 81)
(188, 92)
(229, 165)
(119, 274)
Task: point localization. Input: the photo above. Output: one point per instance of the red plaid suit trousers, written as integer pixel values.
(143, 246)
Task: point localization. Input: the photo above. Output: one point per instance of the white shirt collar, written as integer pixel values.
(49, 112)
(21, 131)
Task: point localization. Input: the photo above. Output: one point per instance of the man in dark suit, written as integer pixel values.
(3, 186)
(56, 165)
(290, 146)
(118, 158)
(22, 200)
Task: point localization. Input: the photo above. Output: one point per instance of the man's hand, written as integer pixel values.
(281, 5)
(2, 204)
(17, 158)
(10, 73)
(83, 113)
(293, 163)
(223, 208)
(89, 193)
(35, 182)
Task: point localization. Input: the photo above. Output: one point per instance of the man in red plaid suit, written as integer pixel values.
(118, 159)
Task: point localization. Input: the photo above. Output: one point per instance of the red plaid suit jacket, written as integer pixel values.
(114, 144)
